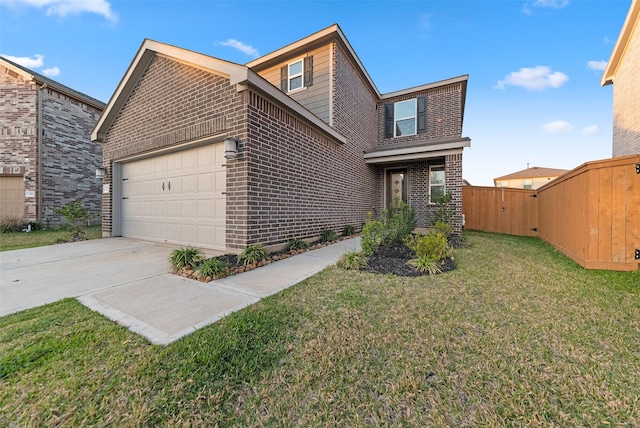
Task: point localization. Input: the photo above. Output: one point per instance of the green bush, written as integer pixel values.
(253, 254)
(76, 214)
(432, 245)
(296, 244)
(441, 227)
(444, 212)
(401, 222)
(352, 260)
(373, 233)
(426, 264)
(328, 235)
(392, 226)
(348, 230)
(12, 225)
(185, 257)
(213, 267)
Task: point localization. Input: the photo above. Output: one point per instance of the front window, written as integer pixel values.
(405, 117)
(295, 75)
(436, 182)
(528, 184)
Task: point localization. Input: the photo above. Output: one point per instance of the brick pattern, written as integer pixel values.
(444, 115)
(453, 184)
(172, 104)
(69, 158)
(626, 100)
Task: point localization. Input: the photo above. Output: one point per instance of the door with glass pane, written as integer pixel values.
(396, 185)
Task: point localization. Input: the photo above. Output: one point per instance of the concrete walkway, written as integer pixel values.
(128, 282)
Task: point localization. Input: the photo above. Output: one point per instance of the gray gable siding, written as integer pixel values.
(315, 97)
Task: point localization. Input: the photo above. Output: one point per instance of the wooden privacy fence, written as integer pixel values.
(591, 214)
(500, 209)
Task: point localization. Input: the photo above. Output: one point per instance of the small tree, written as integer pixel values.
(444, 211)
(77, 215)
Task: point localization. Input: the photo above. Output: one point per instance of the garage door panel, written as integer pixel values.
(191, 212)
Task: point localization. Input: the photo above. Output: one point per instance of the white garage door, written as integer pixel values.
(176, 198)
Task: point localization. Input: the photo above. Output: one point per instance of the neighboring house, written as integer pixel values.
(47, 158)
(530, 178)
(200, 151)
(623, 71)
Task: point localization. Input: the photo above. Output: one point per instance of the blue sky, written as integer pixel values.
(534, 66)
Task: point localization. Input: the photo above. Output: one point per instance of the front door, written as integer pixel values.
(396, 184)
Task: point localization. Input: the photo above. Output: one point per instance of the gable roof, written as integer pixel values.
(533, 172)
(28, 74)
(239, 75)
(619, 49)
(332, 32)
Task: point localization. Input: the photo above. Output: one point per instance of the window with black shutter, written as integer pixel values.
(297, 74)
(408, 117)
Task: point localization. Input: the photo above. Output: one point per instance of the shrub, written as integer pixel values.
(444, 212)
(12, 225)
(253, 254)
(432, 245)
(401, 221)
(328, 235)
(76, 215)
(348, 230)
(441, 227)
(185, 257)
(373, 233)
(426, 264)
(352, 260)
(213, 268)
(296, 244)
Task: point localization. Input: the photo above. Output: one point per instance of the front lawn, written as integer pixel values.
(516, 335)
(18, 240)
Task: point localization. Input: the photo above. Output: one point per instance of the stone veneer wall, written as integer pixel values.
(69, 158)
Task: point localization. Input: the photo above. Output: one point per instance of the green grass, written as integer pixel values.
(16, 241)
(518, 335)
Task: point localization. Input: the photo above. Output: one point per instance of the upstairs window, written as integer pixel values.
(405, 117)
(528, 184)
(297, 74)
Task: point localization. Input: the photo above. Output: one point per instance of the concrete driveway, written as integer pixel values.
(129, 282)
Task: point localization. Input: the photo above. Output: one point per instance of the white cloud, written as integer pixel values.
(425, 21)
(68, 7)
(557, 126)
(597, 65)
(553, 4)
(25, 61)
(590, 130)
(245, 49)
(533, 79)
(51, 72)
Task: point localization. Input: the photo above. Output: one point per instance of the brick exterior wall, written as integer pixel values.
(626, 100)
(172, 104)
(69, 158)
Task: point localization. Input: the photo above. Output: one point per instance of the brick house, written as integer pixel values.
(47, 158)
(310, 144)
(623, 71)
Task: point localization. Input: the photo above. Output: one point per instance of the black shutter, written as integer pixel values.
(308, 71)
(422, 115)
(284, 79)
(388, 120)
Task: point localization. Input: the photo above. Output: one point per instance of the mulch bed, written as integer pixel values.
(393, 258)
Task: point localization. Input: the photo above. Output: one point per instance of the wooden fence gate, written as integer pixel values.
(501, 210)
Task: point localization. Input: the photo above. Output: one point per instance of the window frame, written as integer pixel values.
(396, 118)
(527, 184)
(291, 77)
(432, 168)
